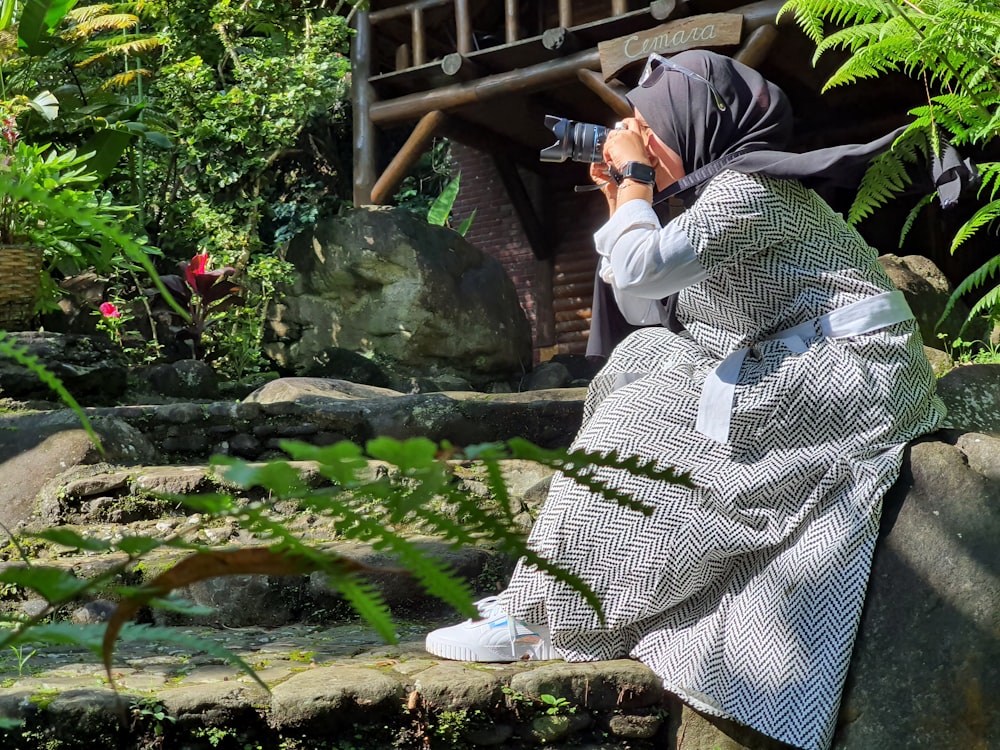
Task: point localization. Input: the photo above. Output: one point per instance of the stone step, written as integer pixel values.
(339, 687)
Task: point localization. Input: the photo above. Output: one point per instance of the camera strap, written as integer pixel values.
(703, 174)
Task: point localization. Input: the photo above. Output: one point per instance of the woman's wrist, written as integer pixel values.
(634, 189)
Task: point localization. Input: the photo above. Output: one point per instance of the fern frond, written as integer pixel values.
(135, 47)
(812, 15)
(885, 178)
(82, 13)
(851, 38)
(985, 215)
(911, 217)
(871, 61)
(112, 22)
(973, 281)
(989, 172)
(123, 80)
(988, 304)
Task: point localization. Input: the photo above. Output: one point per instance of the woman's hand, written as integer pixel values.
(601, 176)
(625, 145)
(621, 147)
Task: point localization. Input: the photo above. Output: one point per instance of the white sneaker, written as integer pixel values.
(494, 638)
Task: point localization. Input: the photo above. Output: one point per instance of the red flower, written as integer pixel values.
(195, 268)
(108, 310)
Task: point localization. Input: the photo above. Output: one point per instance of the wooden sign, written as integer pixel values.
(708, 30)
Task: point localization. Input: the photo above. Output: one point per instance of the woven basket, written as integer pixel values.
(20, 278)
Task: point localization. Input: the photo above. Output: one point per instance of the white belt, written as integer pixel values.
(715, 407)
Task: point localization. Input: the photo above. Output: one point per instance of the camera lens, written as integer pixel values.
(588, 142)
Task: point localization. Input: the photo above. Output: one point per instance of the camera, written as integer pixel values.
(579, 141)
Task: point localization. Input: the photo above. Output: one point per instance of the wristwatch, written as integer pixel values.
(635, 170)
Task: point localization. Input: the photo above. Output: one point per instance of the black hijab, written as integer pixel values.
(728, 116)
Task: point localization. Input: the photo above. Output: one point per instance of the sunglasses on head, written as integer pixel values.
(657, 64)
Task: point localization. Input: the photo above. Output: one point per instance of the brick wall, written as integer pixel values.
(555, 294)
(496, 228)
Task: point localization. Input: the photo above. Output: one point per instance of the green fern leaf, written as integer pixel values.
(911, 217)
(988, 305)
(973, 281)
(885, 178)
(984, 216)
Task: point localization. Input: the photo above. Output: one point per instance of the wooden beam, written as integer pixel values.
(661, 10)
(534, 230)
(595, 82)
(522, 80)
(362, 96)
(418, 143)
(461, 67)
(376, 17)
(560, 39)
(754, 49)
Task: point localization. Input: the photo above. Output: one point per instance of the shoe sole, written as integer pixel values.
(460, 652)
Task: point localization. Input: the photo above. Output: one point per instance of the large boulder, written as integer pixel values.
(927, 290)
(972, 395)
(926, 668)
(417, 299)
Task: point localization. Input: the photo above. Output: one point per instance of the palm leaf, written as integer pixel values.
(440, 209)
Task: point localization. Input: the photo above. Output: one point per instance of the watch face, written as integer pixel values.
(640, 172)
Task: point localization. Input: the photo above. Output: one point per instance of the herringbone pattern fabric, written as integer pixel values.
(745, 593)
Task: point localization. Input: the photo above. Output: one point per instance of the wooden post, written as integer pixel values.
(522, 80)
(463, 27)
(595, 82)
(512, 24)
(415, 146)
(419, 48)
(361, 93)
(754, 50)
(619, 7)
(403, 57)
(565, 13)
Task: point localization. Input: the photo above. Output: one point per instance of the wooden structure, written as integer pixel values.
(484, 73)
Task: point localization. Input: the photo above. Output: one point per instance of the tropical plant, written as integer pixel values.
(204, 294)
(440, 211)
(949, 45)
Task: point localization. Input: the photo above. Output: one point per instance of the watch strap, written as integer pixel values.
(635, 170)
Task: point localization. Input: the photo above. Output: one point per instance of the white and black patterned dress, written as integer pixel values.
(743, 594)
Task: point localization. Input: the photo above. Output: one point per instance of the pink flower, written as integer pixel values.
(108, 310)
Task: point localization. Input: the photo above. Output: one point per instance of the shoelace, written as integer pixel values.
(489, 609)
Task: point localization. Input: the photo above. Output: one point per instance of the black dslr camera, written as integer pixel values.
(579, 141)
